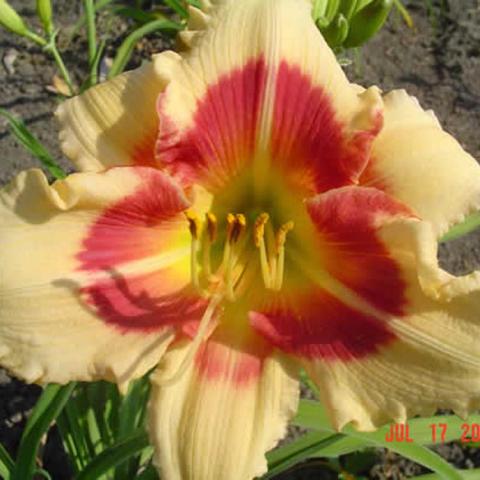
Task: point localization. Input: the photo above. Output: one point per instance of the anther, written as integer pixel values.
(211, 236)
(193, 224)
(281, 236)
(259, 228)
(239, 227)
(231, 220)
(212, 226)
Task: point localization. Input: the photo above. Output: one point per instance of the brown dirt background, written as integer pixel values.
(438, 62)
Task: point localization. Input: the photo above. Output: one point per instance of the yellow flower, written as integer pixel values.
(244, 211)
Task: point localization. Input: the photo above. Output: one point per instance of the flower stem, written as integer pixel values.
(51, 47)
(92, 39)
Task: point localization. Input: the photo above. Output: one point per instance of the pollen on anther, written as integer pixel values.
(212, 226)
(240, 226)
(259, 228)
(230, 225)
(282, 234)
(194, 224)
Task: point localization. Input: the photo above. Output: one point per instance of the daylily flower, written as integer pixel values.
(243, 211)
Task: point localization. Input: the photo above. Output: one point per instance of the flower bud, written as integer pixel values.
(332, 9)
(44, 12)
(367, 21)
(348, 8)
(11, 20)
(337, 31)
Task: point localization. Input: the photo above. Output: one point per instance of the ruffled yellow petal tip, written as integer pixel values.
(369, 116)
(198, 21)
(416, 161)
(406, 104)
(100, 128)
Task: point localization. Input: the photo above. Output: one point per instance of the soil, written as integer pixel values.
(438, 61)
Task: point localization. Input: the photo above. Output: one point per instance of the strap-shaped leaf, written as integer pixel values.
(48, 407)
(32, 144)
(307, 446)
(115, 455)
(6, 464)
(312, 415)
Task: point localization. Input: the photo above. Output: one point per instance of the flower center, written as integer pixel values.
(230, 271)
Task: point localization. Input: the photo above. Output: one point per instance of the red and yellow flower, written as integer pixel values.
(243, 211)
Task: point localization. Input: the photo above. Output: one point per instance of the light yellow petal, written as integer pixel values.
(227, 94)
(432, 362)
(218, 420)
(114, 123)
(84, 266)
(416, 161)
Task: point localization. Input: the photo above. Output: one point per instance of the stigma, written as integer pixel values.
(227, 273)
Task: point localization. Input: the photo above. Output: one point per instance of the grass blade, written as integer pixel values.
(307, 446)
(177, 7)
(131, 418)
(473, 474)
(312, 415)
(404, 13)
(89, 9)
(6, 464)
(115, 455)
(471, 223)
(150, 473)
(30, 142)
(125, 50)
(48, 407)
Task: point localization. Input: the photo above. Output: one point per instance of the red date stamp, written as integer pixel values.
(400, 432)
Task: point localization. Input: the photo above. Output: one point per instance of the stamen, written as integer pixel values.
(194, 224)
(239, 227)
(212, 231)
(280, 246)
(195, 228)
(259, 238)
(236, 231)
(197, 341)
(212, 227)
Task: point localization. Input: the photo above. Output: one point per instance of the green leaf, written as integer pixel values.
(336, 32)
(150, 473)
(332, 9)
(473, 474)
(115, 455)
(404, 13)
(177, 6)
(125, 50)
(367, 22)
(47, 408)
(132, 417)
(348, 8)
(319, 9)
(313, 415)
(137, 14)
(6, 464)
(310, 444)
(471, 223)
(31, 143)
(344, 446)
